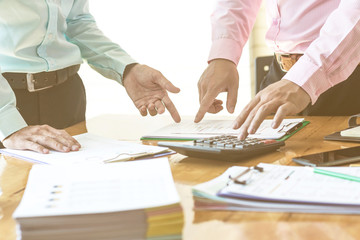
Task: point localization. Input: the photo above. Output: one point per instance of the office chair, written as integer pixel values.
(262, 66)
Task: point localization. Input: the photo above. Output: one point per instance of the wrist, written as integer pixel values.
(221, 61)
(128, 69)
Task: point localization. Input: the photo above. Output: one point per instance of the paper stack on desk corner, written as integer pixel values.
(281, 189)
(120, 201)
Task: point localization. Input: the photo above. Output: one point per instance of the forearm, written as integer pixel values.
(232, 22)
(333, 56)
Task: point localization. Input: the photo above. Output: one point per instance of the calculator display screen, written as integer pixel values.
(330, 158)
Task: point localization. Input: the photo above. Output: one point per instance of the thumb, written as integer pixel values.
(231, 99)
(166, 84)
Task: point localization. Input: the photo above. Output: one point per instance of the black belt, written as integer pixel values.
(38, 81)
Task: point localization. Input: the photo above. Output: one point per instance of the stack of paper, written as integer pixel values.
(188, 130)
(129, 200)
(281, 189)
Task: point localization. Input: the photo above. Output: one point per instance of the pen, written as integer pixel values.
(337, 175)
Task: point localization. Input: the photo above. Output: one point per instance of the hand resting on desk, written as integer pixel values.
(41, 138)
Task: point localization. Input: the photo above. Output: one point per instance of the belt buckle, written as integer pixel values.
(278, 58)
(30, 80)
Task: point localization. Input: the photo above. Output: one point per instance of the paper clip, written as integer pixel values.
(292, 129)
(248, 173)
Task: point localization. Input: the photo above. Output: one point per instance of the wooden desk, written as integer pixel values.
(225, 225)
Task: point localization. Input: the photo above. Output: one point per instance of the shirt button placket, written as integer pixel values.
(52, 27)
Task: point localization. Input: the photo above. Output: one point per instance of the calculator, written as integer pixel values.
(224, 147)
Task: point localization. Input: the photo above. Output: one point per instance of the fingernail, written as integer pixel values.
(231, 109)
(235, 126)
(75, 147)
(251, 131)
(241, 137)
(273, 124)
(66, 149)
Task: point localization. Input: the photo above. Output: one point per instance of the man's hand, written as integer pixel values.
(220, 76)
(41, 139)
(148, 88)
(282, 98)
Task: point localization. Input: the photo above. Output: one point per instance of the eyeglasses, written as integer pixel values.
(245, 176)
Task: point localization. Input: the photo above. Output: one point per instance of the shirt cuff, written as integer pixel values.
(10, 121)
(312, 78)
(116, 70)
(225, 48)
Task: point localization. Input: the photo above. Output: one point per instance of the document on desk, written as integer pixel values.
(93, 188)
(128, 200)
(94, 149)
(188, 130)
(282, 188)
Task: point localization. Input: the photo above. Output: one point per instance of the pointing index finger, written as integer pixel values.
(171, 108)
(205, 104)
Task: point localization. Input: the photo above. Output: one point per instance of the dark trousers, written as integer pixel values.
(341, 100)
(60, 106)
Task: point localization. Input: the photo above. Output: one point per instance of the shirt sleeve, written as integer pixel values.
(232, 22)
(10, 118)
(106, 57)
(333, 56)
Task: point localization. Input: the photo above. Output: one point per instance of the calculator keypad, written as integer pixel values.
(230, 141)
(224, 147)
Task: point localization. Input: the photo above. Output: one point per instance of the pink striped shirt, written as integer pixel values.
(327, 32)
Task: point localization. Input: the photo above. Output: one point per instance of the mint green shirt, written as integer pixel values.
(46, 35)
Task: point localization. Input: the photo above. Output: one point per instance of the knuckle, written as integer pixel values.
(265, 107)
(282, 108)
(34, 146)
(46, 126)
(35, 129)
(63, 132)
(38, 148)
(58, 145)
(156, 74)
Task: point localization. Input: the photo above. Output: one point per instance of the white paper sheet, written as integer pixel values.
(85, 189)
(94, 149)
(303, 191)
(208, 128)
(299, 184)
